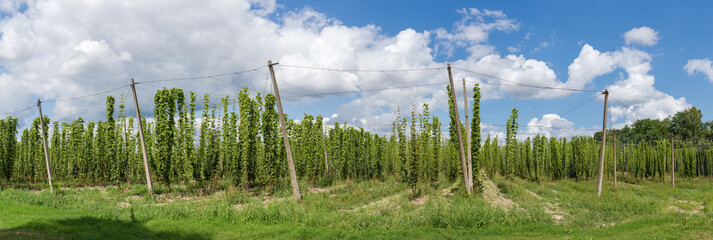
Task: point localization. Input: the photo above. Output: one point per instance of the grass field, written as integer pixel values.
(507, 209)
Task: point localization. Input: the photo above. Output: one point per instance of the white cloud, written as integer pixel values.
(659, 108)
(473, 30)
(60, 49)
(642, 35)
(515, 69)
(552, 125)
(704, 66)
(634, 92)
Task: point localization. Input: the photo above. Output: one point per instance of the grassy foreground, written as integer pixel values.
(513, 209)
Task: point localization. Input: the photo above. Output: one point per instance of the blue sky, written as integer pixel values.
(686, 30)
(64, 46)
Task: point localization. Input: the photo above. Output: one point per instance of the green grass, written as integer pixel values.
(362, 210)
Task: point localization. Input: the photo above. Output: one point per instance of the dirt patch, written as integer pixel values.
(553, 209)
(447, 192)
(318, 190)
(533, 194)
(492, 195)
(375, 205)
(420, 201)
(321, 190)
(123, 204)
(135, 198)
(695, 210)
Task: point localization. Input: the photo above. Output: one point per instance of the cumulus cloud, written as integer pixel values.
(659, 108)
(511, 70)
(473, 31)
(704, 66)
(61, 49)
(553, 125)
(642, 35)
(634, 92)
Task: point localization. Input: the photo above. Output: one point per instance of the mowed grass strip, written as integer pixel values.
(638, 211)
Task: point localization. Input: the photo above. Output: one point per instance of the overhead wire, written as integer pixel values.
(578, 106)
(86, 96)
(522, 84)
(356, 90)
(360, 91)
(18, 111)
(357, 70)
(203, 77)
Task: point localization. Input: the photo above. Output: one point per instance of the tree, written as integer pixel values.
(687, 124)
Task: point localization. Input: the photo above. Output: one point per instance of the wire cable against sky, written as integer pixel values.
(360, 91)
(359, 70)
(86, 96)
(524, 85)
(18, 111)
(626, 106)
(538, 126)
(202, 77)
(580, 105)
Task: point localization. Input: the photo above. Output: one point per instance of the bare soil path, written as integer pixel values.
(492, 195)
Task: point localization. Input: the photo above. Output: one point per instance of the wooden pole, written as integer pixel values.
(290, 163)
(467, 135)
(143, 143)
(460, 135)
(614, 169)
(604, 142)
(673, 164)
(324, 146)
(44, 144)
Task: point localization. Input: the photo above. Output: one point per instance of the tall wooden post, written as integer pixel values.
(673, 164)
(324, 146)
(44, 144)
(290, 163)
(468, 188)
(467, 134)
(604, 142)
(614, 169)
(143, 143)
